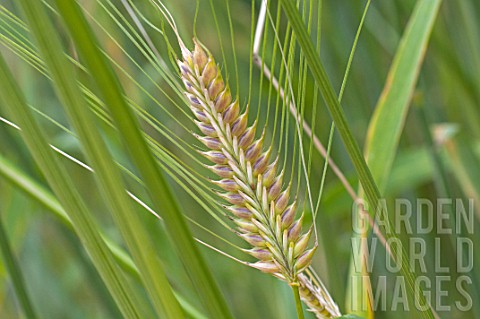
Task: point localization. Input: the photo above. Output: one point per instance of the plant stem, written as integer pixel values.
(15, 273)
(298, 302)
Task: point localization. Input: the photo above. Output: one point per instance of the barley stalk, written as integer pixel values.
(251, 182)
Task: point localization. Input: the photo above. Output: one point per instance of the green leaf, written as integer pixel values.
(15, 273)
(106, 172)
(388, 119)
(43, 196)
(364, 174)
(154, 181)
(64, 188)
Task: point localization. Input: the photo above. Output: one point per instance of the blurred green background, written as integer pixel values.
(60, 278)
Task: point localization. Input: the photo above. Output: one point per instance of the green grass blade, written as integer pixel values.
(388, 119)
(64, 188)
(472, 34)
(156, 184)
(38, 193)
(107, 174)
(13, 175)
(364, 174)
(15, 273)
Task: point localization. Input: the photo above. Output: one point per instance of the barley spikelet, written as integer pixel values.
(251, 181)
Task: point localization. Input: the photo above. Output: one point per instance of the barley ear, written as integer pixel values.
(259, 203)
